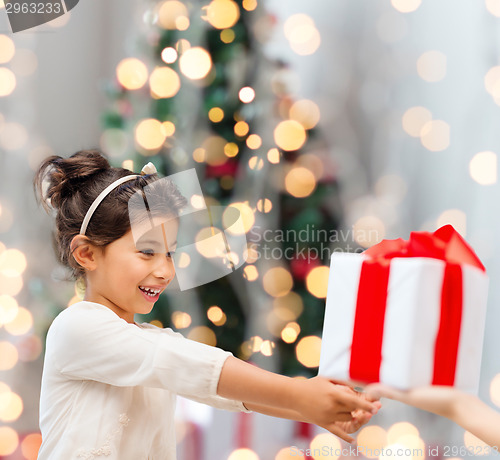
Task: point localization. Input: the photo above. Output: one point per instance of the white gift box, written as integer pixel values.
(410, 324)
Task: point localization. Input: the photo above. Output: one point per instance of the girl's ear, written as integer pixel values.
(84, 252)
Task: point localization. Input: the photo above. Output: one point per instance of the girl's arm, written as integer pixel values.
(315, 400)
(466, 410)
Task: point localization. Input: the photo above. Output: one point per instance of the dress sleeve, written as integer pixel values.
(96, 344)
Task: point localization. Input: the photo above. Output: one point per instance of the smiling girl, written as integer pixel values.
(109, 384)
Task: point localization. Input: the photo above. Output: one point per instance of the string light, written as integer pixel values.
(414, 119)
(195, 63)
(164, 82)
(7, 81)
(149, 134)
(277, 281)
(289, 135)
(131, 73)
(308, 351)
(222, 14)
(483, 168)
(7, 49)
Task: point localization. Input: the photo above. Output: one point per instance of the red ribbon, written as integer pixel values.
(366, 350)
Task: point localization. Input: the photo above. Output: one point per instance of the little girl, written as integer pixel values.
(109, 384)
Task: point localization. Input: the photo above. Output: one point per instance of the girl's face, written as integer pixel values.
(130, 276)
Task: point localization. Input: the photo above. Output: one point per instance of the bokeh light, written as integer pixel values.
(455, 217)
(7, 81)
(30, 348)
(168, 128)
(8, 309)
(227, 35)
(368, 230)
(400, 429)
(492, 82)
(371, 440)
(13, 136)
(306, 112)
(300, 182)
(231, 149)
(250, 272)
(149, 134)
(11, 406)
(216, 114)
(21, 324)
(247, 217)
(132, 73)
(203, 334)
(264, 205)
(246, 94)
(289, 453)
(249, 5)
(195, 63)
(495, 390)
(222, 14)
(12, 262)
(31, 445)
(273, 156)
(308, 351)
(254, 141)
(414, 119)
(431, 66)
(7, 49)
(406, 6)
(302, 34)
(172, 15)
(181, 319)
(483, 168)
(164, 82)
(288, 307)
(8, 356)
(169, 55)
(435, 135)
(290, 135)
(493, 6)
(214, 153)
(325, 446)
(290, 332)
(243, 454)
(9, 440)
(475, 445)
(317, 281)
(216, 315)
(277, 281)
(241, 128)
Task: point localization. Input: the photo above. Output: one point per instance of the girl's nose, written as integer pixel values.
(165, 267)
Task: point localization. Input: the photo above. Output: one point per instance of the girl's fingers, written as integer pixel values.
(353, 402)
(340, 433)
(378, 390)
(343, 416)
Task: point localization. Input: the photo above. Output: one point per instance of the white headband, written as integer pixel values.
(147, 169)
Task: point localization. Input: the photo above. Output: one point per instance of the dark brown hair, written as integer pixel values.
(74, 183)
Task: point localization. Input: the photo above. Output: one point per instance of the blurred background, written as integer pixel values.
(330, 125)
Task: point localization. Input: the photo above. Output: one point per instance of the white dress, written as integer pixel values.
(109, 387)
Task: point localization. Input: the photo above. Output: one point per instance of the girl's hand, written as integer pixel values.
(337, 408)
(359, 417)
(440, 400)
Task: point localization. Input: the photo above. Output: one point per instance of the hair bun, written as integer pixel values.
(66, 175)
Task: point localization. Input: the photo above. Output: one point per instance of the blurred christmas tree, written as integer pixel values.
(202, 94)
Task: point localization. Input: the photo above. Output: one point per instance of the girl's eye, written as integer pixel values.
(170, 254)
(148, 252)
